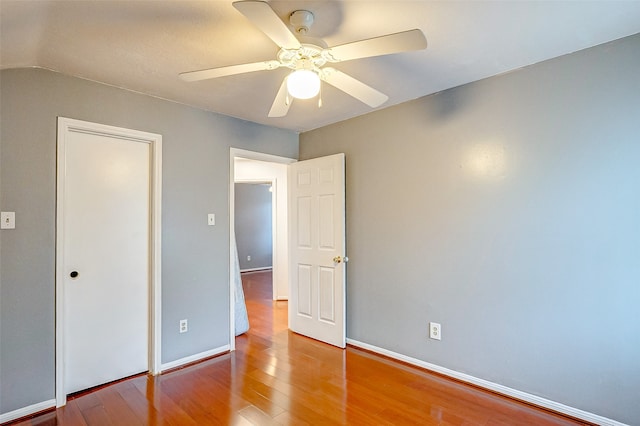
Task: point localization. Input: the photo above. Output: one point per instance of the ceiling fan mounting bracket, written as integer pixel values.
(301, 20)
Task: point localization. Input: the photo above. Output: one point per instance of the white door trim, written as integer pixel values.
(65, 126)
(251, 155)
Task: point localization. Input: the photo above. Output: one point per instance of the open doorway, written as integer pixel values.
(253, 167)
(314, 266)
(254, 225)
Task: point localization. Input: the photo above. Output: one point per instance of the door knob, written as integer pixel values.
(339, 259)
(74, 274)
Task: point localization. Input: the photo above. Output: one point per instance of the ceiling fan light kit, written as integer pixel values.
(303, 84)
(308, 60)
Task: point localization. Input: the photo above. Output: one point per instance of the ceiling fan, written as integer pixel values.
(307, 60)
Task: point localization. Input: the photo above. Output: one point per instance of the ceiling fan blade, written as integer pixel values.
(383, 45)
(281, 104)
(263, 17)
(353, 87)
(230, 70)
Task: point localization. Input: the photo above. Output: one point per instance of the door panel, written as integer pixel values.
(317, 215)
(304, 290)
(326, 238)
(304, 222)
(106, 241)
(327, 295)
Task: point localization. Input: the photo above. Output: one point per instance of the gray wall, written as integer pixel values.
(195, 267)
(253, 223)
(508, 210)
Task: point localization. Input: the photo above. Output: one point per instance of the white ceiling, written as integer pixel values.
(144, 45)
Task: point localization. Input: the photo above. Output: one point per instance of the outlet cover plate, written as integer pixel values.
(435, 331)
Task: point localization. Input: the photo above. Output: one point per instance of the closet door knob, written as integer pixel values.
(74, 274)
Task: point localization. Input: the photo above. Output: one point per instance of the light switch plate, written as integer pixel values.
(8, 220)
(211, 219)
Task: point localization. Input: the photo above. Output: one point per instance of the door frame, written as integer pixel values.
(68, 125)
(251, 155)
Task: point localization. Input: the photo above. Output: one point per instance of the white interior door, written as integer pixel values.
(317, 230)
(106, 259)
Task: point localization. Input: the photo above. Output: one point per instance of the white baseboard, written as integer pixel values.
(264, 268)
(27, 411)
(495, 387)
(193, 358)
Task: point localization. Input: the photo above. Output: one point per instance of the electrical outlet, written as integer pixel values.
(248, 258)
(184, 326)
(435, 331)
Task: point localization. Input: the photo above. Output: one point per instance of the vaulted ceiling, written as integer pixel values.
(144, 45)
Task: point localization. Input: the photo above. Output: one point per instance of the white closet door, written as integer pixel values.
(106, 258)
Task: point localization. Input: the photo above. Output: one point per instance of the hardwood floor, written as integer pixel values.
(277, 377)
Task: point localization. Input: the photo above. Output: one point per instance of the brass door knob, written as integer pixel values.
(339, 259)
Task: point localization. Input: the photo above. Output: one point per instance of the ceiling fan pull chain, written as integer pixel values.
(320, 97)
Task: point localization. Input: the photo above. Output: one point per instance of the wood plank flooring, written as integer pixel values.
(277, 377)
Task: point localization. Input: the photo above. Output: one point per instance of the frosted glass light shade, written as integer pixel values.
(303, 84)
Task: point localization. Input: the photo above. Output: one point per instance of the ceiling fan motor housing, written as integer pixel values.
(308, 56)
(301, 21)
